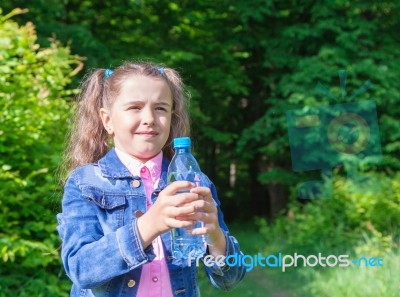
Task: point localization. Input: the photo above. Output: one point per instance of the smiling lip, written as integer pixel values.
(150, 133)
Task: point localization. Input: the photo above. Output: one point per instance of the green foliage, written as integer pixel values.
(199, 38)
(33, 123)
(309, 281)
(294, 45)
(356, 281)
(360, 223)
(246, 63)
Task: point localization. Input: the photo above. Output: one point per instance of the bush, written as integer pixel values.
(346, 222)
(356, 281)
(360, 225)
(33, 122)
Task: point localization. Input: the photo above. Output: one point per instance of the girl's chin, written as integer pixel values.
(144, 157)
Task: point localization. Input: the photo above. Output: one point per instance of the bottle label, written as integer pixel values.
(191, 176)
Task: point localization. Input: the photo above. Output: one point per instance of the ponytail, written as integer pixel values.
(88, 141)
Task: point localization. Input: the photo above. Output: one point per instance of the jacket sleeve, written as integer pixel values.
(90, 257)
(225, 277)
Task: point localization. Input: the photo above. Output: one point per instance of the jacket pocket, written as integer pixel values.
(110, 207)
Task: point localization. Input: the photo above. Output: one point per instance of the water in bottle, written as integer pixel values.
(185, 167)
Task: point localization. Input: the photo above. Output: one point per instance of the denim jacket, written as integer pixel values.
(102, 252)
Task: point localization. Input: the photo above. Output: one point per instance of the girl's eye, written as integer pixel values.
(134, 108)
(161, 108)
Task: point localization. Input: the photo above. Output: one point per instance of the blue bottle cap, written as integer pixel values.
(180, 142)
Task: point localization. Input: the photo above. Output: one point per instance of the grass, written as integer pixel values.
(349, 281)
(257, 282)
(356, 281)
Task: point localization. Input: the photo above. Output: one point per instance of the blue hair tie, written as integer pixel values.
(108, 72)
(161, 70)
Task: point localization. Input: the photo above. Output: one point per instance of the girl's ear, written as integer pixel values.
(106, 119)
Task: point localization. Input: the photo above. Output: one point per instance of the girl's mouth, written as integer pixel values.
(149, 133)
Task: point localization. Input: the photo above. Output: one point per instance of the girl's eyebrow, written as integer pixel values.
(163, 103)
(132, 102)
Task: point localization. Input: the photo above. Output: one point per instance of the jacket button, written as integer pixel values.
(131, 283)
(155, 279)
(136, 183)
(138, 213)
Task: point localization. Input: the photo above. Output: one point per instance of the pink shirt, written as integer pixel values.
(154, 280)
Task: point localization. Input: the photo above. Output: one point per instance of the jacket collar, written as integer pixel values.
(112, 167)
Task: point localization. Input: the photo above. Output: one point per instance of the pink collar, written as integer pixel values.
(134, 165)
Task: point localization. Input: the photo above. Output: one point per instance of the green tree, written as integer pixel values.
(181, 34)
(246, 63)
(34, 115)
(293, 46)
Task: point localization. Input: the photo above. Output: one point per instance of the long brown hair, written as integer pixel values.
(89, 140)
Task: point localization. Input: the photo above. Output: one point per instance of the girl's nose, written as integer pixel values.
(148, 117)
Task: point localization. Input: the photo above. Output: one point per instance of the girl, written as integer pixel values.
(117, 211)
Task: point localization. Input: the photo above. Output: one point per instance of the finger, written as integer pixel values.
(180, 211)
(201, 190)
(201, 219)
(183, 199)
(204, 217)
(198, 231)
(204, 206)
(204, 192)
(174, 223)
(177, 186)
(189, 217)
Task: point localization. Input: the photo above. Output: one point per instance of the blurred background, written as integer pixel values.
(246, 63)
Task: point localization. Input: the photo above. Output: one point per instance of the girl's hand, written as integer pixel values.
(207, 212)
(171, 210)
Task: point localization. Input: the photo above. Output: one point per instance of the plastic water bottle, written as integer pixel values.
(185, 167)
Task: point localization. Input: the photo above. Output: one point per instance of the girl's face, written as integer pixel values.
(140, 117)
